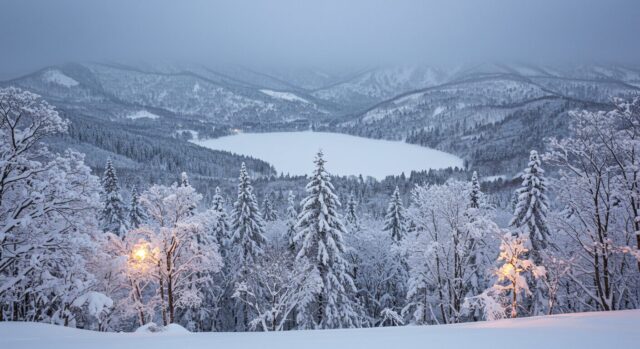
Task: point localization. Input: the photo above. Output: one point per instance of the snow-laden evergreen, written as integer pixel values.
(113, 218)
(137, 216)
(269, 214)
(247, 225)
(291, 215)
(321, 245)
(530, 218)
(395, 220)
(475, 193)
(532, 206)
(351, 214)
(222, 228)
(184, 180)
(247, 247)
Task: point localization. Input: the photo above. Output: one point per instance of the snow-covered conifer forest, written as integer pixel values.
(80, 249)
(319, 174)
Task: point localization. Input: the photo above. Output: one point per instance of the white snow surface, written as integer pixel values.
(142, 114)
(293, 153)
(169, 329)
(584, 330)
(287, 96)
(438, 111)
(57, 77)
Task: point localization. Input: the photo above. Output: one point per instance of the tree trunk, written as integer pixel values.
(164, 309)
(514, 301)
(170, 289)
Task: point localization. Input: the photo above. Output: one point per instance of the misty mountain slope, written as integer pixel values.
(451, 101)
(458, 96)
(491, 115)
(190, 94)
(375, 85)
(126, 90)
(308, 79)
(453, 110)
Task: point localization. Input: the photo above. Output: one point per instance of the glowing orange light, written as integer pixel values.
(140, 253)
(507, 270)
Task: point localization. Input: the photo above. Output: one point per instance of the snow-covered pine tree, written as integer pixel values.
(137, 216)
(113, 211)
(395, 220)
(474, 195)
(531, 207)
(531, 216)
(246, 222)
(292, 219)
(248, 238)
(184, 180)
(351, 215)
(320, 240)
(268, 213)
(222, 229)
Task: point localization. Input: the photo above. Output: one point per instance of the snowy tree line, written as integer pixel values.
(74, 252)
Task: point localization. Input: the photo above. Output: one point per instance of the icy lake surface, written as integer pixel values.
(293, 153)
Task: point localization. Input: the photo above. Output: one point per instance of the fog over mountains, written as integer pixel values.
(488, 114)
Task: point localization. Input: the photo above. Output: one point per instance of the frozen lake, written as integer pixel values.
(293, 153)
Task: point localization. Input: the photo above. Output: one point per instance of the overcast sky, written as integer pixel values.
(319, 33)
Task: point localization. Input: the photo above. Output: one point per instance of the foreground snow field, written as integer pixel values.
(293, 152)
(586, 330)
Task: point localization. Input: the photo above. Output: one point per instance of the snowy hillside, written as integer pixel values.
(482, 113)
(180, 91)
(585, 330)
(380, 84)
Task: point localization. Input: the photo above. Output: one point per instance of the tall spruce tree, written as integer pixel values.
(292, 219)
(395, 219)
(321, 246)
(351, 216)
(532, 206)
(222, 228)
(246, 222)
(184, 182)
(474, 195)
(137, 216)
(268, 213)
(247, 241)
(113, 215)
(531, 216)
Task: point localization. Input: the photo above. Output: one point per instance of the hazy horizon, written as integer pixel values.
(324, 34)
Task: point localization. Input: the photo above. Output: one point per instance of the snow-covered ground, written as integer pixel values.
(59, 78)
(142, 114)
(587, 330)
(293, 153)
(287, 96)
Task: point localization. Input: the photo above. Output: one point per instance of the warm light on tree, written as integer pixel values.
(141, 252)
(510, 275)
